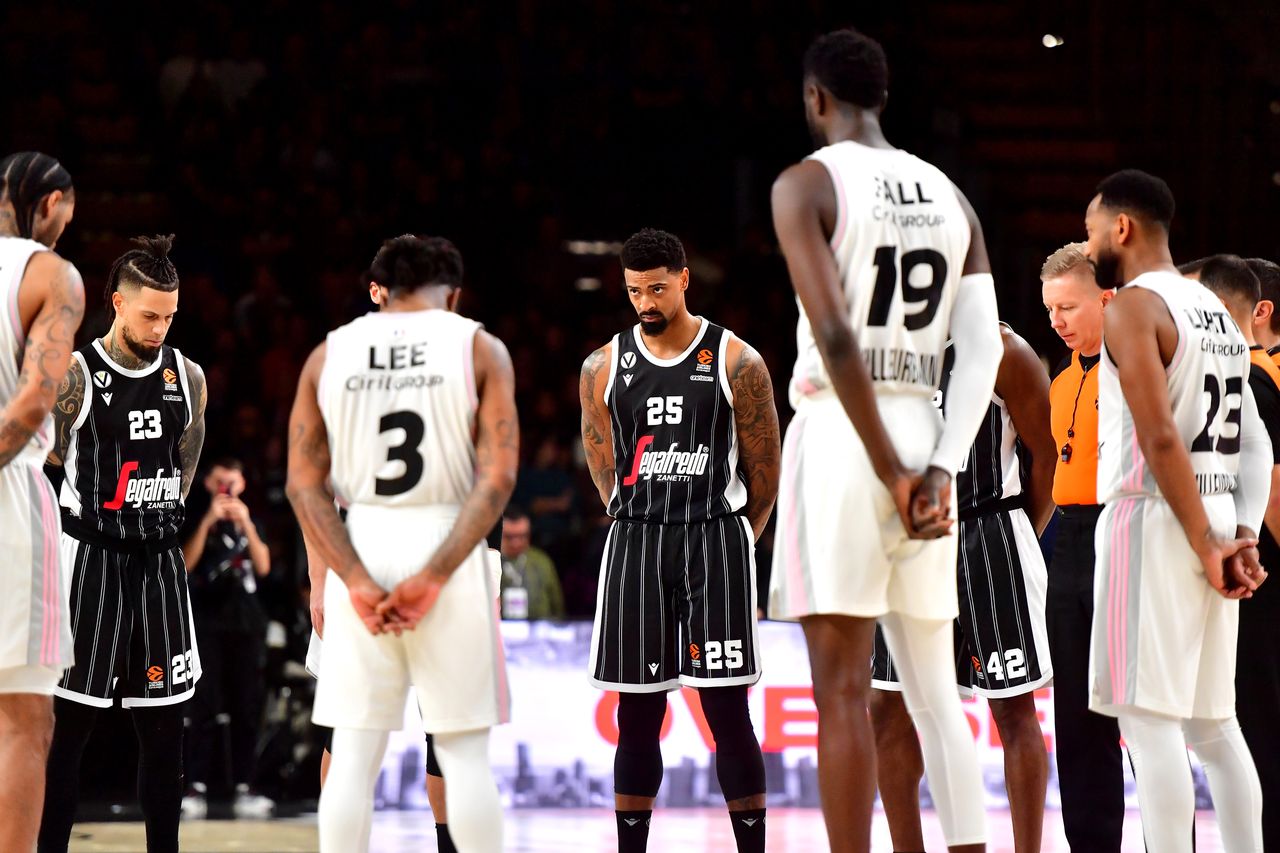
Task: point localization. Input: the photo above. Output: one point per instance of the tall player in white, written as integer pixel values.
(408, 417)
(887, 260)
(41, 305)
(1184, 468)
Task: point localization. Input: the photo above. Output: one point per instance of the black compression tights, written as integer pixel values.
(159, 731)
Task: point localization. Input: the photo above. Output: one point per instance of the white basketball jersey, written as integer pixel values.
(900, 243)
(1207, 378)
(15, 252)
(398, 395)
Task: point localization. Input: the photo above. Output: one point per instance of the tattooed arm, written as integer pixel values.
(308, 480)
(597, 432)
(497, 458)
(65, 412)
(756, 420)
(52, 295)
(192, 441)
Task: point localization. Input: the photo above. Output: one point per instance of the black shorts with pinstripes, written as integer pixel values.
(676, 605)
(131, 618)
(1001, 636)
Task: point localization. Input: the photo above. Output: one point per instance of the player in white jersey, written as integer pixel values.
(1184, 468)
(41, 305)
(408, 416)
(887, 260)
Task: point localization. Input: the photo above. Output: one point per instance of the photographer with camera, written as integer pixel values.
(225, 557)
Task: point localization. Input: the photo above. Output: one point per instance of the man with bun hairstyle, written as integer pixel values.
(128, 429)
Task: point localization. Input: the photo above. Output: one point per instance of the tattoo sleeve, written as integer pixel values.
(192, 441)
(308, 485)
(44, 361)
(497, 457)
(66, 410)
(756, 419)
(597, 432)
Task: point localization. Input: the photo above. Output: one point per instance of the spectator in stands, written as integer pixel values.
(530, 583)
(225, 558)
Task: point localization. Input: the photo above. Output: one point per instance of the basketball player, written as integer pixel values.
(129, 426)
(41, 305)
(1265, 320)
(681, 437)
(1002, 652)
(1089, 758)
(410, 414)
(1184, 470)
(888, 261)
(1257, 671)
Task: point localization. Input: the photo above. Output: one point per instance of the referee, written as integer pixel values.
(1090, 762)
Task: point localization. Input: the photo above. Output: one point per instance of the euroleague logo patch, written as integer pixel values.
(705, 357)
(169, 376)
(155, 673)
(694, 652)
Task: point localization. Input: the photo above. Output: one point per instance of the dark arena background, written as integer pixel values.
(281, 142)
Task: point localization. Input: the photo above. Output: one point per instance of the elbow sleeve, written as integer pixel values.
(1253, 489)
(975, 334)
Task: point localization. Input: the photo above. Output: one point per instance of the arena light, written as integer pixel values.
(592, 248)
(1051, 40)
(587, 284)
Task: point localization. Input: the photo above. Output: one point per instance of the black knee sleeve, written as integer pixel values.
(72, 725)
(159, 732)
(739, 764)
(637, 765)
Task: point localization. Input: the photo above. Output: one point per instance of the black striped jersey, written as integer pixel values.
(675, 443)
(123, 472)
(992, 472)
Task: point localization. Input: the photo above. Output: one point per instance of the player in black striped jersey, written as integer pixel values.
(129, 427)
(1004, 498)
(681, 436)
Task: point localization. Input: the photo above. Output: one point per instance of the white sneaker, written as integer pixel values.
(251, 805)
(195, 805)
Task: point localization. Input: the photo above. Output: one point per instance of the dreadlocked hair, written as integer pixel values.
(25, 179)
(146, 266)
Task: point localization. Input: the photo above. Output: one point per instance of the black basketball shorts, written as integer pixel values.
(131, 618)
(676, 605)
(1001, 640)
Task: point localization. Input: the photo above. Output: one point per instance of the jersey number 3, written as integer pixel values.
(406, 451)
(888, 278)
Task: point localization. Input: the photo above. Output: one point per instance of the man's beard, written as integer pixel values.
(652, 328)
(139, 350)
(1106, 269)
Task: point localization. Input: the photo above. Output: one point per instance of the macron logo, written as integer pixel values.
(653, 669)
(749, 821)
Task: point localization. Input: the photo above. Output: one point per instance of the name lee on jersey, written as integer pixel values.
(391, 357)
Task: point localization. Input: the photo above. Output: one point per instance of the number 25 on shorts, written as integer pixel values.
(719, 655)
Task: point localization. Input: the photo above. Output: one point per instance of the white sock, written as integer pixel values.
(346, 803)
(1166, 795)
(1233, 779)
(924, 657)
(471, 796)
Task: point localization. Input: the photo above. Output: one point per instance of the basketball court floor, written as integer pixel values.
(569, 830)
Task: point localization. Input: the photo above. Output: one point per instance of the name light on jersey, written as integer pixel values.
(397, 356)
(899, 365)
(158, 490)
(671, 465)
